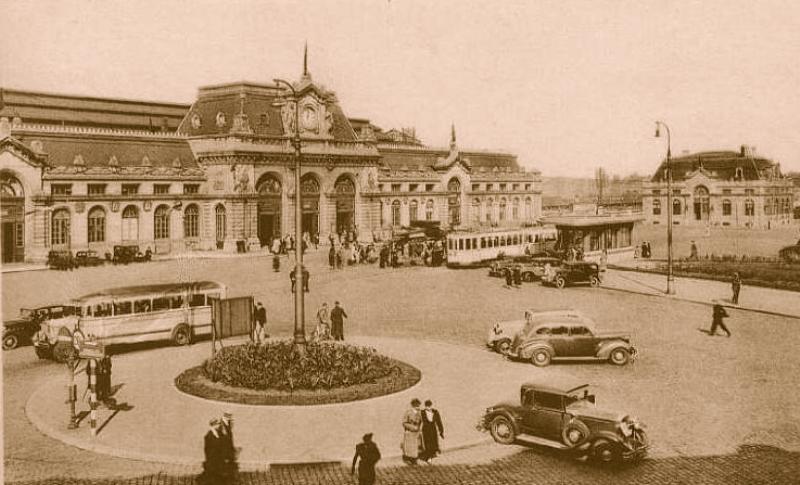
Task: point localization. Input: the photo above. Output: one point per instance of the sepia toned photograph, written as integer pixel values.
(400, 242)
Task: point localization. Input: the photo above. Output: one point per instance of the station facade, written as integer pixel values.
(82, 173)
(724, 188)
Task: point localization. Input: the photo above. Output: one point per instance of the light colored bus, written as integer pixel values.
(471, 248)
(173, 311)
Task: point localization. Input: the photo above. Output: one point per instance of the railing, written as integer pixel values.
(90, 130)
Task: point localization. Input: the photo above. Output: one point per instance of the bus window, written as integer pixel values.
(141, 306)
(197, 300)
(176, 302)
(122, 307)
(502, 240)
(469, 244)
(102, 310)
(516, 241)
(161, 303)
(529, 238)
(88, 311)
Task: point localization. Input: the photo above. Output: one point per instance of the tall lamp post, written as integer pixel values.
(299, 317)
(670, 277)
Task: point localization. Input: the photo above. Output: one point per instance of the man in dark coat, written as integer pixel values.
(736, 286)
(431, 426)
(368, 454)
(718, 315)
(214, 469)
(337, 321)
(509, 277)
(229, 450)
(517, 275)
(332, 257)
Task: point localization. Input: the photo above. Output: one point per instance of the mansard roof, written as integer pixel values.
(720, 165)
(86, 111)
(482, 164)
(261, 104)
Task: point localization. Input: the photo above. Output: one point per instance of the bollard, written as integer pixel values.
(91, 369)
(72, 393)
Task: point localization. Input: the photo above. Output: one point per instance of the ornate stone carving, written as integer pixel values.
(221, 119)
(287, 115)
(309, 185)
(327, 125)
(241, 179)
(196, 121)
(371, 180)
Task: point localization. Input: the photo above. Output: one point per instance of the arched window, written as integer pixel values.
(221, 223)
(161, 222)
(476, 211)
(528, 208)
(726, 207)
(396, 213)
(489, 210)
(515, 209)
(413, 210)
(749, 207)
(454, 185)
(191, 221)
(59, 230)
(676, 207)
(96, 225)
(130, 223)
(429, 210)
(502, 213)
(656, 207)
(702, 204)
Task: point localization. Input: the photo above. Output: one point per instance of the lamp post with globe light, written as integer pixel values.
(670, 277)
(299, 309)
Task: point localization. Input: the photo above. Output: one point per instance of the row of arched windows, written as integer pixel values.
(677, 207)
(96, 224)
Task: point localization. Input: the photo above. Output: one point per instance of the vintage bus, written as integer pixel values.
(174, 311)
(473, 248)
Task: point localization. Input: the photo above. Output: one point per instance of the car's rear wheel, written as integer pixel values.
(502, 430)
(619, 356)
(10, 341)
(594, 281)
(560, 282)
(606, 452)
(502, 345)
(541, 357)
(182, 335)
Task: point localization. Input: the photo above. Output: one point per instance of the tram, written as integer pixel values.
(474, 248)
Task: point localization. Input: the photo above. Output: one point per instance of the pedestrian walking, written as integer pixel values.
(517, 276)
(339, 257)
(432, 430)
(260, 331)
(230, 452)
(412, 439)
(214, 470)
(367, 455)
(332, 257)
(718, 315)
(693, 252)
(736, 286)
(337, 321)
(509, 277)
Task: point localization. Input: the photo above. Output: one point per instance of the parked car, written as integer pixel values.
(88, 258)
(499, 267)
(573, 272)
(20, 330)
(60, 260)
(568, 419)
(569, 337)
(534, 269)
(502, 334)
(130, 254)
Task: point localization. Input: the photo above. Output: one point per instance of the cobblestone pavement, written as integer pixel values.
(722, 410)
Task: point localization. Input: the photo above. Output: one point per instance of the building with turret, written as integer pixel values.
(81, 172)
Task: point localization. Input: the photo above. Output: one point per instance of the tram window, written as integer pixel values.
(474, 243)
(160, 303)
(176, 302)
(530, 238)
(122, 307)
(502, 240)
(516, 241)
(496, 241)
(469, 244)
(197, 300)
(141, 306)
(88, 311)
(460, 244)
(450, 244)
(483, 242)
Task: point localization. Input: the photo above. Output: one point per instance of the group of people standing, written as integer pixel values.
(330, 324)
(350, 254)
(422, 429)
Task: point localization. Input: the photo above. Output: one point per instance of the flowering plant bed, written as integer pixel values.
(275, 374)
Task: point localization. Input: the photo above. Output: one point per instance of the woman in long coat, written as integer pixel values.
(412, 439)
(431, 427)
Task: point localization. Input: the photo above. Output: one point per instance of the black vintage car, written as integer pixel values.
(88, 258)
(61, 260)
(19, 331)
(573, 272)
(533, 269)
(130, 254)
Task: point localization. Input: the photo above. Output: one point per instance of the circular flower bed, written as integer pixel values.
(276, 374)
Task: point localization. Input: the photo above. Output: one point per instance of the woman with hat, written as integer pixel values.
(368, 454)
(412, 440)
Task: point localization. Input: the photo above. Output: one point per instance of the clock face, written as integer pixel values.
(309, 118)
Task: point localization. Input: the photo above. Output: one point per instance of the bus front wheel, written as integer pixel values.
(182, 335)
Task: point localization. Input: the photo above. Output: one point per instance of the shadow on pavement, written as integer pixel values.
(751, 464)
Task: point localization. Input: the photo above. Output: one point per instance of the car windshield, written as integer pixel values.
(580, 397)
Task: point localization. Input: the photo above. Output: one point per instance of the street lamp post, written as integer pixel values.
(299, 309)
(670, 277)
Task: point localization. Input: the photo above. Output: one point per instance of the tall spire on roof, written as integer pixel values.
(452, 135)
(305, 59)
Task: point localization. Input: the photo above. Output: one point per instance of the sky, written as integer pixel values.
(566, 85)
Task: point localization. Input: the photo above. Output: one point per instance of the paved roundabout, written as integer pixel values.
(165, 425)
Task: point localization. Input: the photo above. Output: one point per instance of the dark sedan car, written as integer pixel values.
(19, 331)
(88, 258)
(573, 272)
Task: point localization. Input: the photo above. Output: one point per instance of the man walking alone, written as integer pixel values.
(337, 320)
(736, 286)
(718, 315)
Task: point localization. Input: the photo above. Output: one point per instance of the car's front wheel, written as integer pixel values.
(619, 356)
(10, 341)
(502, 345)
(594, 281)
(528, 277)
(561, 282)
(502, 430)
(541, 357)
(606, 452)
